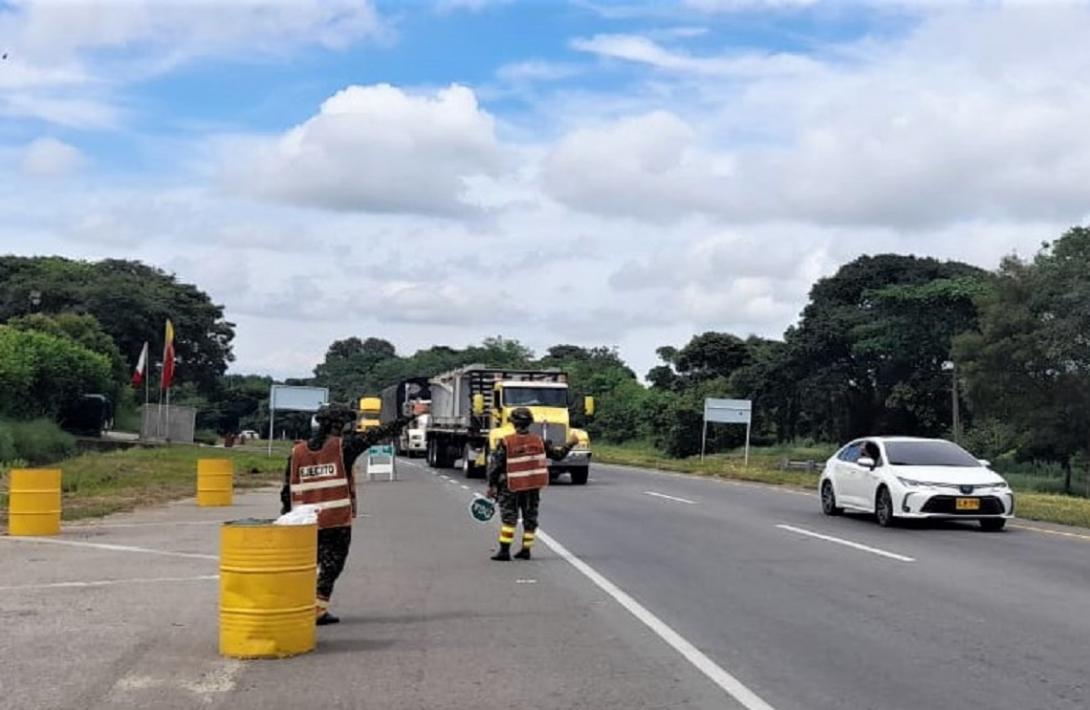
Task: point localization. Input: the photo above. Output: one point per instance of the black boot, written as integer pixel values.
(327, 619)
(504, 553)
(523, 554)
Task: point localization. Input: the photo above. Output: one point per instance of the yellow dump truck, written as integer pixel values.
(470, 410)
(368, 418)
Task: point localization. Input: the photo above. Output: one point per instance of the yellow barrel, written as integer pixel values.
(267, 598)
(34, 501)
(215, 482)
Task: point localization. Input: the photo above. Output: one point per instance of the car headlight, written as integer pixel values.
(908, 482)
(1002, 485)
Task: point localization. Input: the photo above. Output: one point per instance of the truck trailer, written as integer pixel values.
(470, 415)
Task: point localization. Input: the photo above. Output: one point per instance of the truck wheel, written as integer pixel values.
(444, 457)
(579, 475)
(429, 454)
(469, 467)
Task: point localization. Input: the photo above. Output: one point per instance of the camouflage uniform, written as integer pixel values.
(333, 543)
(512, 503)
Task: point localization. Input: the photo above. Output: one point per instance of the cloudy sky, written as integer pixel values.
(600, 173)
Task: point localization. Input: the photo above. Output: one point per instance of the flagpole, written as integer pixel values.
(168, 415)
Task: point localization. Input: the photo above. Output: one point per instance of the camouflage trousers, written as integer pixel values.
(333, 546)
(511, 504)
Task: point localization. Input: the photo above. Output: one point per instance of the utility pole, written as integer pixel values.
(952, 367)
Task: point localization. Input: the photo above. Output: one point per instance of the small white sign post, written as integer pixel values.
(727, 411)
(288, 398)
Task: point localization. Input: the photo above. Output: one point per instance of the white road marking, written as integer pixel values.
(109, 582)
(847, 543)
(465, 486)
(525, 581)
(673, 498)
(221, 679)
(1046, 531)
(106, 546)
(96, 526)
(730, 685)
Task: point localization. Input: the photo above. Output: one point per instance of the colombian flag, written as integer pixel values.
(168, 357)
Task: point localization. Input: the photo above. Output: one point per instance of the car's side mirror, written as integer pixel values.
(588, 406)
(865, 462)
(985, 463)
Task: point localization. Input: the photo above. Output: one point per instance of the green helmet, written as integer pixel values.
(522, 416)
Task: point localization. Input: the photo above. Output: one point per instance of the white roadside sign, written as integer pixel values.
(727, 411)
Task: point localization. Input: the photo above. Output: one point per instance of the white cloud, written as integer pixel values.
(49, 31)
(642, 50)
(647, 166)
(715, 6)
(67, 60)
(374, 149)
(943, 125)
(50, 158)
(536, 70)
(448, 6)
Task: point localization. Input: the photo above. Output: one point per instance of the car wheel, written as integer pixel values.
(579, 475)
(993, 524)
(828, 500)
(883, 508)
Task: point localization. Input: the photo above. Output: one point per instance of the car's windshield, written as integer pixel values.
(928, 453)
(535, 397)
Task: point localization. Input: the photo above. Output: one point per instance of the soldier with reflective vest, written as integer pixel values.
(319, 473)
(517, 471)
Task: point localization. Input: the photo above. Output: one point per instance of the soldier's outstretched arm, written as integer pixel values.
(557, 453)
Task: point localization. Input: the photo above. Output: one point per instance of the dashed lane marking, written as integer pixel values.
(673, 498)
(847, 543)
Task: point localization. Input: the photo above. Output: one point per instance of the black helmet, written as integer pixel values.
(522, 416)
(335, 412)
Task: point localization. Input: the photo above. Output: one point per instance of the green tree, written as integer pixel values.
(1029, 364)
(131, 301)
(865, 357)
(82, 329)
(41, 374)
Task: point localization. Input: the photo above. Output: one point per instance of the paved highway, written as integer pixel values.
(654, 591)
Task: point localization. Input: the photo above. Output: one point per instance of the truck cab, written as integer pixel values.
(548, 402)
(471, 409)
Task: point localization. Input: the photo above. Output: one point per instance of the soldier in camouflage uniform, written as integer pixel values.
(334, 533)
(511, 503)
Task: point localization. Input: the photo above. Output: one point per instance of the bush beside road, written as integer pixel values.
(97, 484)
(764, 467)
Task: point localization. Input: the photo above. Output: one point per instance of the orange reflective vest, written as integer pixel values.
(319, 478)
(527, 467)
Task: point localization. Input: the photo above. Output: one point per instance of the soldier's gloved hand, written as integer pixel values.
(573, 439)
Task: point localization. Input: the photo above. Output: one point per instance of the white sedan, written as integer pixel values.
(901, 477)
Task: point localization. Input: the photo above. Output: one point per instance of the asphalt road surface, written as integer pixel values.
(649, 590)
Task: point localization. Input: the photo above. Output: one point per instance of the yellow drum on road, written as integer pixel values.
(215, 482)
(267, 578)
(34, 503)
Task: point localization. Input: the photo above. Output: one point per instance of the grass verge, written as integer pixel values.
(97, 484)
(764, 468)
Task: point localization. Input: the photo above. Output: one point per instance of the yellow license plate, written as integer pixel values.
(967, 504)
